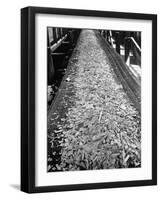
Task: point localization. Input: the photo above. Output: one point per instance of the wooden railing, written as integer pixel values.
(132, 47)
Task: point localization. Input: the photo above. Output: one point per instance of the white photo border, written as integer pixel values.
(44, 178)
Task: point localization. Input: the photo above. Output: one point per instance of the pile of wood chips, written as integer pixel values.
(102, 130)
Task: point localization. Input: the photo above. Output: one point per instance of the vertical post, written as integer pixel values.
(127, 51)
(50, 64)
(118, 41)
(110, 39)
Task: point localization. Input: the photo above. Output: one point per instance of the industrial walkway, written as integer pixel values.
(92, 123)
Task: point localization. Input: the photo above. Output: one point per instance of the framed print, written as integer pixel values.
(88, 99)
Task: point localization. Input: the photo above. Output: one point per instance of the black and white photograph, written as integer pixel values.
(93, 99)
(89, 99)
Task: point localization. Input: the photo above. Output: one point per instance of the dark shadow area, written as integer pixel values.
(15, 186)
(61, 42)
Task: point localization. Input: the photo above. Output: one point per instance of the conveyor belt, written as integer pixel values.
(93, 124)
(131, 84)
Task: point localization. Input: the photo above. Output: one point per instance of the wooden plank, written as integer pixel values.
(57, 44)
